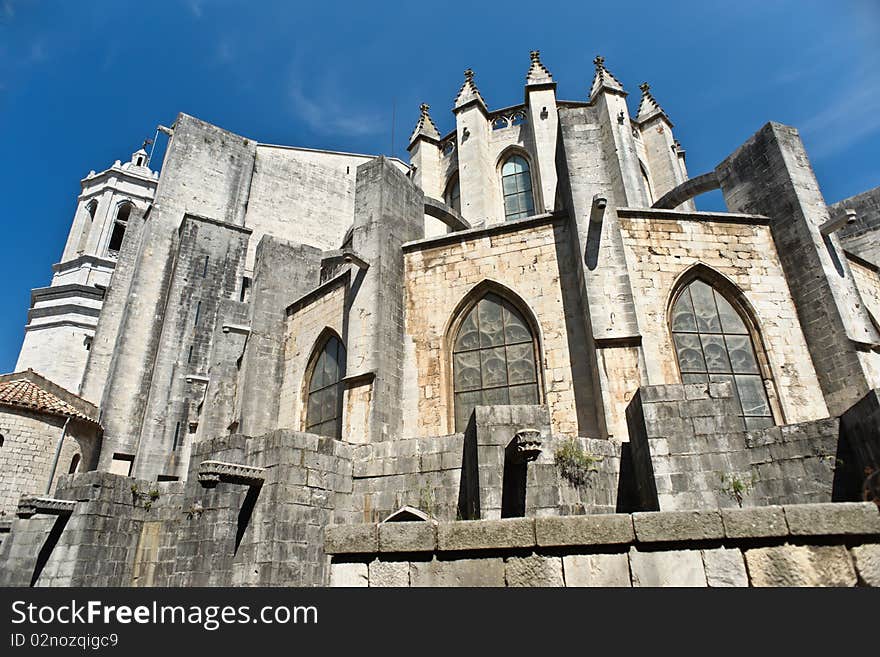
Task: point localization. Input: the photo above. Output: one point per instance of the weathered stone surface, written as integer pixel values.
(535, 570)
(596, 570)
(599, 529)
(754, 522)
(460, 572)
(867, 562)
(833, 518)
(407, 537)
(486, 534)
(655, 527)
(389, 573)
(351, 539)
(800, 565)
(725, 567)
(348, 575)
(669, 568)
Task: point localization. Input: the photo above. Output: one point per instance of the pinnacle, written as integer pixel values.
(425, 126)
(648, 105)
(468, 91)
(538, 73)
(603, 78)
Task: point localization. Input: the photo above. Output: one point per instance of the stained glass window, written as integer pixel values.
(324, 410)
(713, 344)
(516, 185)
(493, 359)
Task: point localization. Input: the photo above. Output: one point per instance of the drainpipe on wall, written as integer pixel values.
(57, 456)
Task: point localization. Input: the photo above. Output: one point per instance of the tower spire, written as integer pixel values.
(469, 92)
(425, 126)
(648, 105)
(604, 78)
(538, 73)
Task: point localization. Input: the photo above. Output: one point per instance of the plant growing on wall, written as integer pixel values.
(574, 463)
(145, 498)
(737, 487)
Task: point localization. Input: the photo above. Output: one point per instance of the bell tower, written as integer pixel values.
(63, 316)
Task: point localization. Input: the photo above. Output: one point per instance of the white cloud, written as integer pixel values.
(852, 115)
(323, 112)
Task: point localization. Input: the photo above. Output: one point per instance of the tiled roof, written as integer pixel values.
(25, 393)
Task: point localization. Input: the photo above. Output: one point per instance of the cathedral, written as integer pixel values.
(260, 357)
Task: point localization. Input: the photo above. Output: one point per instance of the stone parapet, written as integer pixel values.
(791, 545)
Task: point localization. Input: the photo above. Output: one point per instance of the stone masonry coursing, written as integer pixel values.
(199, 327)
(794, 545)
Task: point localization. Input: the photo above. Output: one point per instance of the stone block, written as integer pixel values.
(407, 537)
(667, 568)
(596, 570)
(867, 562)
(351, 539)
(486, 534)
(348, 575)
(459, 572)
(800, 565)
(535, 570)
(833, 518)
(656, 527)
(599, 529)
(725, 567)
(389, 573)
(754, 522)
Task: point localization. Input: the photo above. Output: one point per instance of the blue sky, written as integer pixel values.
(84, 83)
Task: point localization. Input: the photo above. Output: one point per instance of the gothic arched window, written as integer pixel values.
(516, 185)
(713, 343)
(452, 197)
(91, 210)
(324, 404)
(119, 226)
(493, 359)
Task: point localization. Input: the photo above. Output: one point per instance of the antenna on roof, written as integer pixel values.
(393, 108)
(152, 143)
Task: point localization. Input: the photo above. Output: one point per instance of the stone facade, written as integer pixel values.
(483, 336)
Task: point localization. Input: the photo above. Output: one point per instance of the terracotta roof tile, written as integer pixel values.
(22, 393)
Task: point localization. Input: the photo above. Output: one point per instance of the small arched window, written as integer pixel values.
(452, 197)
(119, 226)
(91, 210)
(74, 464)
(646, 181)
(324, 405)
(493, 359)
(713, 344)
(516, 185)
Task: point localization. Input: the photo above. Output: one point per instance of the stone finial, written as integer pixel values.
(538, 73)
(603, 78)
(469, 92)
(648, 105)
(425, 126)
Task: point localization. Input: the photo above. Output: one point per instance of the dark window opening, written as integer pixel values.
(245, 289)
(74, 464)
(453, 194)
(119, 226)
(324, 406)
(176, 442)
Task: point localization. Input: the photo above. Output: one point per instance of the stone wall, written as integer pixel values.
(28, 451)
(862, 237)
(867, 279)
(795, 545)
(527, 260)
(690, 452)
